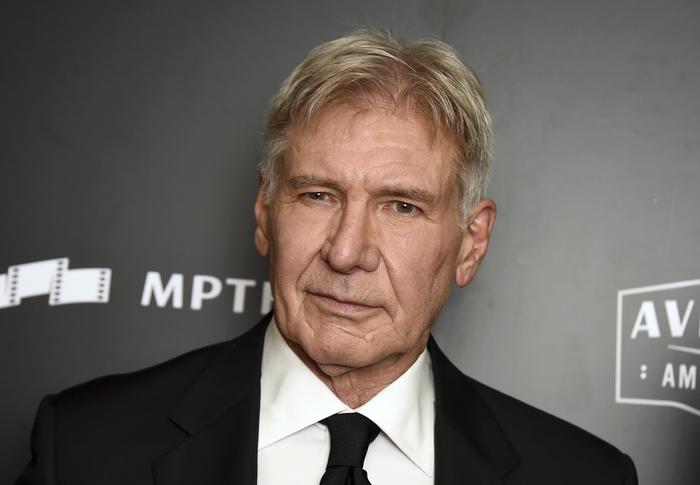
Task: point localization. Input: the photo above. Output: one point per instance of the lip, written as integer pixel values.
(343, 306)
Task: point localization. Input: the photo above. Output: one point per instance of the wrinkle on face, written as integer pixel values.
(357, 284)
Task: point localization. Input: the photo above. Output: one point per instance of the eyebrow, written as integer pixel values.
(416, 194)
(301, 181)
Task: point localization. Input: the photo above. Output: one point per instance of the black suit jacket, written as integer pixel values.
(194, 420)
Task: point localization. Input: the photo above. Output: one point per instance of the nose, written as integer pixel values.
(349, 246)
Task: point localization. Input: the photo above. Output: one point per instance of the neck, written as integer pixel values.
(357, 385)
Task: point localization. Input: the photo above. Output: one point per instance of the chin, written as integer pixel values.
(334, 351)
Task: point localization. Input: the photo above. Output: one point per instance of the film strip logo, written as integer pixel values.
(53, 278)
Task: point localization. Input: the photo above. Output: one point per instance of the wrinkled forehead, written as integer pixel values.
(406, 107)
(355, 114)
(374, 148)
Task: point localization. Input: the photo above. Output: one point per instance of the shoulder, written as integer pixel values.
(544, 441)
(109, 429)
(525, 424)
(519, 441)
(131, 400)
(162, 381)
(106, 419)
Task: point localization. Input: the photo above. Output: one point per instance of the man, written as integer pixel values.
(370, 205)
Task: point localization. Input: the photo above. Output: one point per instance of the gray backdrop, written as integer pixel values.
(130, 134)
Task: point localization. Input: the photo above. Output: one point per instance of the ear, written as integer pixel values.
(475, 241)
(262, 218)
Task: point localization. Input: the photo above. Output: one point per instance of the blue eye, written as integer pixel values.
(404, 207)
(316, 195)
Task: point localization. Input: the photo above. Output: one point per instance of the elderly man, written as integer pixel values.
(370, 205)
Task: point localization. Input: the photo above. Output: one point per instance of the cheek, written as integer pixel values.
(296, 242)
(421, 267)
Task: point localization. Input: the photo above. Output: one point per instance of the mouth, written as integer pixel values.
(343, 305)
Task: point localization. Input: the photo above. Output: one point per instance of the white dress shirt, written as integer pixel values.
(293, 446)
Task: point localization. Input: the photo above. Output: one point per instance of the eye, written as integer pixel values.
(404, 208)
(322, 197)
(315, 195)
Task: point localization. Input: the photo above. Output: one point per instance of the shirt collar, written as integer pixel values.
(292, 398)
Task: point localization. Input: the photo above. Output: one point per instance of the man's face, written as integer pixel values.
(363, 237)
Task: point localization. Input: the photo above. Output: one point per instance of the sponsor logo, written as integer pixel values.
(92, 285)
(204, 287)
(658, 346)
(52, 277)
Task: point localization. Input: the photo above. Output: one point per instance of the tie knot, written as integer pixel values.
(351, 434)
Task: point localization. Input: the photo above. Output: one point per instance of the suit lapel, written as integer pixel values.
(219, 415)
(220, 411)
(470, 446)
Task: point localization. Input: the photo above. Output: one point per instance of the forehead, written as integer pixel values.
(373, 143)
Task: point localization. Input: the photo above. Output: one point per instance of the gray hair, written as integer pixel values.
(425, 76)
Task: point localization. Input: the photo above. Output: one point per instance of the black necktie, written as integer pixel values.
(351, 435)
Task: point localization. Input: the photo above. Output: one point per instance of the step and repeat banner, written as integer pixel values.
(130, 137)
